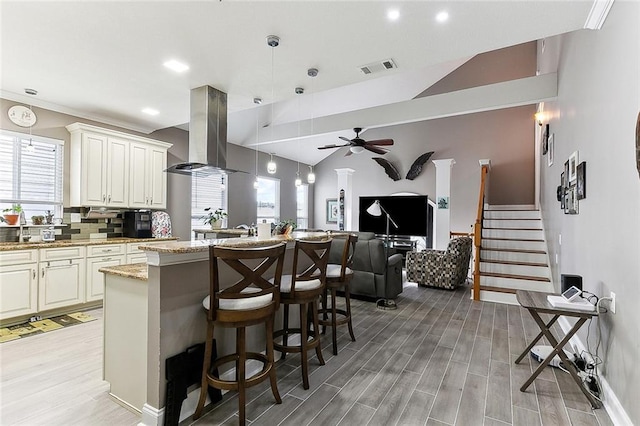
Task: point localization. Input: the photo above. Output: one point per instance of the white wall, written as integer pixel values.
(595, 114)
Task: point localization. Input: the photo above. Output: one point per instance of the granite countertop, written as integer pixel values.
(194, 246)
(137, 271)
(230, 231)
(69, 243)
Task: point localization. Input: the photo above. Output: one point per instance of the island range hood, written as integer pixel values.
(207, 134)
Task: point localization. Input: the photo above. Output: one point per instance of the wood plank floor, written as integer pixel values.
(439, 359)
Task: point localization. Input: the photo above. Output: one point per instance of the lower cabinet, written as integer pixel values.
(61, 283)
(18, 290)
(95, 279)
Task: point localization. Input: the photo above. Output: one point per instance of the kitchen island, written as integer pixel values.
(152, 316)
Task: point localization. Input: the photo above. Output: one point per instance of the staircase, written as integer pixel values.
(513, 255)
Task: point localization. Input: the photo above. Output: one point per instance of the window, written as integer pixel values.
(302, 206)
(31, 173)
(268, 198)
(207, 191)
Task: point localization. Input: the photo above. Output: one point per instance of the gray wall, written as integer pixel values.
(595, 114)
(242, 202)
(505, 136)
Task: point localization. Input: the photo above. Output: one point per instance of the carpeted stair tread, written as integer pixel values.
(512, 262)
(515, 277)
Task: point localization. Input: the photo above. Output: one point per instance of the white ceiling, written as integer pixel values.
(103, 60)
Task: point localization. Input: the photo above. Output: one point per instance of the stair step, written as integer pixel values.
(512, 214)
(514, 262)
(518, 234)
(515, 277)
(514, 244)
(508, 250)
(503, 207)
(498, 289)
(515, 269)
(513, 255)
(512, 223)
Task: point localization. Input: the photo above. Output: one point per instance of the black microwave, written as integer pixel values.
(137, 224)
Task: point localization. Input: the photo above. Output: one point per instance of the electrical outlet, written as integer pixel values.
(613, 303)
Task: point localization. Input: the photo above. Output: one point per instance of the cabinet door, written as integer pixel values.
(138, 171)
(117, 171)
(94, 185)
(62, 283)
(18, 290)
(95, 279)
(157, 183)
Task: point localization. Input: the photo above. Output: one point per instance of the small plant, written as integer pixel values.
(215, 216)
(37, 220)
(14, 209)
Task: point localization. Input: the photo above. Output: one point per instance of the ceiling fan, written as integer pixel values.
(357, 144)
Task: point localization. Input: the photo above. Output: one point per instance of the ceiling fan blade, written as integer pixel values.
(380, 151)
(381, 142)
(332, 146)
(344, 139)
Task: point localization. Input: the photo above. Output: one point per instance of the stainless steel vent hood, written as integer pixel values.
(207, 134)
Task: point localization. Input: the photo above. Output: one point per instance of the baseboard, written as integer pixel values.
(610, 401)
(151, 416)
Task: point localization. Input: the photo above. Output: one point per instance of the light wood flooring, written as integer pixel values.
(439, 359)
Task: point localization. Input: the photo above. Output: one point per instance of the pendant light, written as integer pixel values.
(256, 101)
(30, 147)
(312, 72)
(298, 181)
(273, 42)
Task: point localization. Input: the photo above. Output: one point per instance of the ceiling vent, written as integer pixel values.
(374, 67)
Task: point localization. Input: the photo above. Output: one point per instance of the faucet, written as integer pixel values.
(23, 222)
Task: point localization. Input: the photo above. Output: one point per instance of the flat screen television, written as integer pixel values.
(412, 213)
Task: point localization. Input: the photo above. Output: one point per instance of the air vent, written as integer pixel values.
(379, 66)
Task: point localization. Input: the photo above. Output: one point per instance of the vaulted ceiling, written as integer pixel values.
(104, 60)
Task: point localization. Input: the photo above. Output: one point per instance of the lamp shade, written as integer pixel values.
(356, 149)
(374, 209)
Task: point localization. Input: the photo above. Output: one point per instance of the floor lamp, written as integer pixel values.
(376, 209)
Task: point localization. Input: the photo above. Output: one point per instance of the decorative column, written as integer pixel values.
(345, 183)
(443, 213)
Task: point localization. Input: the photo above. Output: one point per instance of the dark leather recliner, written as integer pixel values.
(368, 267)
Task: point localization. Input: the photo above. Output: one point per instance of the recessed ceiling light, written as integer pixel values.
(176, 66)
(442, 16)
(393, 14)
(151, 111)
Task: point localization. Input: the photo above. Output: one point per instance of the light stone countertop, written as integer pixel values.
(194, 246)
(137, 271)
(7, 246)
(229, 231)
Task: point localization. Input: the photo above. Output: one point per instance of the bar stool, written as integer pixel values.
(251, 300)
(304, 289)
(338, 277)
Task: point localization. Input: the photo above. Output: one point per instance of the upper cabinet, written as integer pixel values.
(115, 169)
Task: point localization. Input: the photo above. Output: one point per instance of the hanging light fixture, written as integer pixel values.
(256, 184)
(273, 42)
(30, 147)
(271, 165)
(298, 181)
(312, 72)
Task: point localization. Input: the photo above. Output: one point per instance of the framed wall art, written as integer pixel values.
(550, 144)
(573, 166)
(544, 140)
(332, 210)
(581, 181)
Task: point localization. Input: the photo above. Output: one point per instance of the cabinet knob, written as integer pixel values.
(43, 272)
(104, 197)
(109, 198)
(34, 273)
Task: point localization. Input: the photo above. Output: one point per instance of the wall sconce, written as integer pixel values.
(271, 165)
(539, 116)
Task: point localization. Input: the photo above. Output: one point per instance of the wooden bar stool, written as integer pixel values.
(251, 300)
(338, 278)
(304, 289)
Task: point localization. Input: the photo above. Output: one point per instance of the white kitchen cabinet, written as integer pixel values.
(115, 169)
(18, 283)
(148, 180)
(100, 257)
(61, 281)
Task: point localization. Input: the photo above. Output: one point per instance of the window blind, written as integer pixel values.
(207, 191)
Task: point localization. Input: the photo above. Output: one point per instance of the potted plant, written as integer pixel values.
(37, 220)
(11, 215)
(214, 218)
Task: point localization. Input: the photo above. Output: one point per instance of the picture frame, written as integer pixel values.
(332, 210)
(573, 166)
(562, 189)
(566, 174)
(572, 200)
(581, 182)
(551, 147)
(544, 140)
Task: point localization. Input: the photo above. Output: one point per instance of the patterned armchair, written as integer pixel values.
(436, 268)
